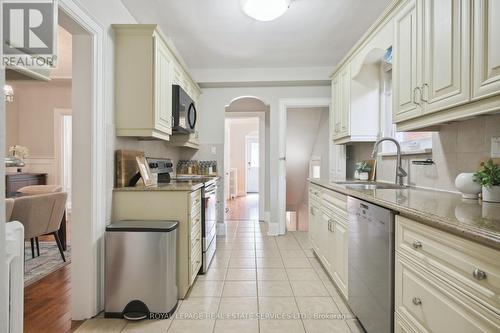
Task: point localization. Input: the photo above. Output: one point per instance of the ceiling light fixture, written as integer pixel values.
(8, 93)
(265, 10)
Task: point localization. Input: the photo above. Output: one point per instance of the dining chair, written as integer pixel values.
(41, 214)
(9, 205)
(43, 189)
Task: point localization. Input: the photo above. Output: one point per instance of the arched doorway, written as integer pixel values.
(249, 118)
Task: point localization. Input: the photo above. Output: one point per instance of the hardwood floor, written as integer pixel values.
(47, 304)
(243, 208)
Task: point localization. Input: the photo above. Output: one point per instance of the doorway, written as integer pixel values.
(242, 133)
(303, 142)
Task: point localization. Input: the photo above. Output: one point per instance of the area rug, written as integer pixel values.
(49, 261)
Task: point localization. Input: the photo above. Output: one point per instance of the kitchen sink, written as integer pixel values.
(360, 185)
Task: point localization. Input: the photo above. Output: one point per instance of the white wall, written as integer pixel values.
(239, 129)
(212, 107)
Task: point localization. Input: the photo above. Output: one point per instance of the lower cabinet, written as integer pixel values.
(182, 206)
(444, 283)
(328, 232)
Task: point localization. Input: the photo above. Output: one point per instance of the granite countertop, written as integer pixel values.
(191, 185)
(471, 219)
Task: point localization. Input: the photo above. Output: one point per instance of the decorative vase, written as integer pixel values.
(465, 183)
(363, 176)
(491, 194)
(356, 174)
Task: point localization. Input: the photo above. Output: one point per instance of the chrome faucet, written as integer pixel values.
(400, 172)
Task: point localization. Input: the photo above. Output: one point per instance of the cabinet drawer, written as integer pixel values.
(195, 202)
(196, 234)
(195, 222)
(195, 262)
(314, 192)
(337, 200)
(454, 259)
(429, 305)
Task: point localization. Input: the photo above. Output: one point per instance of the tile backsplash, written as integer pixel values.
(458, 147)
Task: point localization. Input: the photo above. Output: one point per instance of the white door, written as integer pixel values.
(252, 151)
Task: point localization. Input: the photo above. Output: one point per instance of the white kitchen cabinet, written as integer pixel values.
(407, 62)
(486, 48)
(145, 69)
(446, 54)
(328, 232)
(143, 88)
(335, 111)
(444, 282)
(181, 206)
(340, 241)
(437, 78)
(345, 101)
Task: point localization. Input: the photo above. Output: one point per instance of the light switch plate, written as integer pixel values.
(214, 150)
(495, 147)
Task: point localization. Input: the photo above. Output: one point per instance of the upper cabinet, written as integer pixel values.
(433, 66)
(145, 69)
(406, 61)
(486, 48)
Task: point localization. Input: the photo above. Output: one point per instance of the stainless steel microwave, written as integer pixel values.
(183, 111)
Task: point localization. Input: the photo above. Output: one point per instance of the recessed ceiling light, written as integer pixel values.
(265, 10)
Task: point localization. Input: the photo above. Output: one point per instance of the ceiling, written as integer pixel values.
(217, 34)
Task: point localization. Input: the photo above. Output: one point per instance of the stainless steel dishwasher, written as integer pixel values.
(371, 265)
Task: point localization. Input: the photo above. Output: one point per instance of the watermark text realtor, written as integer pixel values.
(29, 33)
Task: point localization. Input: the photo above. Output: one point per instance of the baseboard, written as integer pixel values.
(221, 229)
(273, 229)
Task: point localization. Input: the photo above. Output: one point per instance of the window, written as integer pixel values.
(410, 141)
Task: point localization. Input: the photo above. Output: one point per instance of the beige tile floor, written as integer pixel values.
(256, 284)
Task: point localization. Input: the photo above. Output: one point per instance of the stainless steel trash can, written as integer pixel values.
(141, 269)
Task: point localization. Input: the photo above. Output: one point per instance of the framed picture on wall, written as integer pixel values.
(145, 171)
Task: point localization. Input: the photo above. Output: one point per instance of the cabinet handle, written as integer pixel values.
(415, 95)
(479, 274)
(312, 211)
(424, 86)
(416, 301)
(417, 245)
(331, 224)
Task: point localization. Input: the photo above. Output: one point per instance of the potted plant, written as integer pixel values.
(363, 170)
(489, 178)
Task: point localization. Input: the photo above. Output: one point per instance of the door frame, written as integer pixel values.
(284, 105)
(59, 114)
(89, 203)
(248, 139)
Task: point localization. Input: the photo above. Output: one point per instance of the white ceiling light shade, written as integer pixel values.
(8, 92)
(265, 10)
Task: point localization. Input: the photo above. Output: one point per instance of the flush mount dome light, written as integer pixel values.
(265, 10)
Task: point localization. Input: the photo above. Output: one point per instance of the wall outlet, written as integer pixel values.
(495, 147)
(213, 149)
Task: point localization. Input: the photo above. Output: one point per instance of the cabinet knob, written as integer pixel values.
(479, 274)
(417, 245)
(416, 301)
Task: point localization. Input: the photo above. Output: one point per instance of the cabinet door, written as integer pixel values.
(407, 62)
(335, 113)
(345, 107)
(446, 54)
(486, 48)
(163, 88)
(340, 255)
(313, 225)
(325, 244)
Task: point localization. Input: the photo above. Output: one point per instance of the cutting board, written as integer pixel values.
(126, 166)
